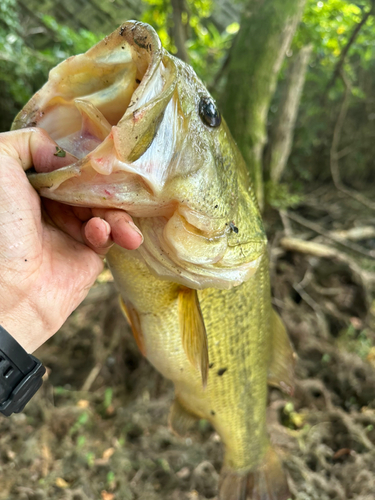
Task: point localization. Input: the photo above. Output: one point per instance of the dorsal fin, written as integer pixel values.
(283, 358)
(193, 331)
(133, 319)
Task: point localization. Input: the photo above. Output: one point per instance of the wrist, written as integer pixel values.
(22, 326)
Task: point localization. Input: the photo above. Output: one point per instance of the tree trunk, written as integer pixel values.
(179, 30)
(281, 135)
(267, 29)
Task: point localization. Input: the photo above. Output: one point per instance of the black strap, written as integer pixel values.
(20, 375)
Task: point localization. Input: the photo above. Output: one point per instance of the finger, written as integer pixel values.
(123, 230)
(82, 213)
(64, 218)
(97, 235)
(33, 147)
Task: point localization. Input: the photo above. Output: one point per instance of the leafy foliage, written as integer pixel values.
(207, 45)
(30, 46)
(19, 64)
(23, 65)
(328, 26)
(281, 197)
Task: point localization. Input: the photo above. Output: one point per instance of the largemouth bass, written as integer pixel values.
(149, 139)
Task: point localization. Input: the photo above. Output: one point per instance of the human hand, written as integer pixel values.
(46, 271)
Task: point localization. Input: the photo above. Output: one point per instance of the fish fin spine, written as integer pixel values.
(283, 358)
(132, 317)
(193, 331)
(266, 482)
(180, 419)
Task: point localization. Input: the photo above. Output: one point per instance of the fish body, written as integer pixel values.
(234, 398)
(149, 139)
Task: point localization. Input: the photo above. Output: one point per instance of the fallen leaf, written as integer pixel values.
(61, 483)
(107, 496)
(83, 403)
(108, 453)
(183, 473)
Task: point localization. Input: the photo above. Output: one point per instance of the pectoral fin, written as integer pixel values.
(133, 319)
(283, 358)
(193, 331)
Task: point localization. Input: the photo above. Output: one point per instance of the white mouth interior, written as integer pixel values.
(81, 108)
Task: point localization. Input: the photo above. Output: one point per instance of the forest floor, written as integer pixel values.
(98, 428)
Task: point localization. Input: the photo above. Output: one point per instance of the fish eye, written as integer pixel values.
(209, 113)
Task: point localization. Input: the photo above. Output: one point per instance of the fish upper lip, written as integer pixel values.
(83, 99)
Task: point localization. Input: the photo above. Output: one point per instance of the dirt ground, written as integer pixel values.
(98, 428)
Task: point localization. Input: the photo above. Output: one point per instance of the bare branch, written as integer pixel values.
(334, 156)
(179, 30)
(334, 164)
(356, 233)
(346, 49)
(319, 230)
(281, 136)
(326, 252)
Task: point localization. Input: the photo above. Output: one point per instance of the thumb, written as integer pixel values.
(33, 147)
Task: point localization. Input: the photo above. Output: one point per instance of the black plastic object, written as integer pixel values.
(20, 375)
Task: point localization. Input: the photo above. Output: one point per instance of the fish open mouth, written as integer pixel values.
(104, 94)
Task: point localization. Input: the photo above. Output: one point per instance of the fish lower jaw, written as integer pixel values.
(167, 266)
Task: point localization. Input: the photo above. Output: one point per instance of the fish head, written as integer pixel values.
(149, 139)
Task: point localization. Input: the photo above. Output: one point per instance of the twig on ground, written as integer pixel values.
(318, 250)
(286, 223)
(319, 230)
(355, 233)
(101, 292)
(306, 297)
(92, 377)
(324, 251)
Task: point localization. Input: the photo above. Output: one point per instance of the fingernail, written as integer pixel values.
(133, 226)
(107, 226)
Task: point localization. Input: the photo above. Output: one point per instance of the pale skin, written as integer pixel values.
(50, 254)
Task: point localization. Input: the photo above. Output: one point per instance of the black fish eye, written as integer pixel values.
(209, 113)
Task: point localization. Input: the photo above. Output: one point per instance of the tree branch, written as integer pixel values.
(266, 31)
(281, 135)
(179, 30)
(334, 156)
(346, 49)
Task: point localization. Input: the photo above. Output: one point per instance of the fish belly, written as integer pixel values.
(237, 325)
